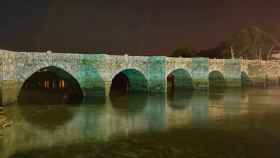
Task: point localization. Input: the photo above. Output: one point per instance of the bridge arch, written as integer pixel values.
(245, 79)
(216, 80)
(129, 80)
(179, 79)
(50, 81)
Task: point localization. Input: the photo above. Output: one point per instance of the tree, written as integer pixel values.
(252, 43)
(183, 52)
(216, 52)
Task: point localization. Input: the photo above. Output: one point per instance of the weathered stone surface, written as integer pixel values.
(232, 73)
(95, 72)
(173, 64)
(157, 73)
(200, 73)
(216, 65)
(256, 72)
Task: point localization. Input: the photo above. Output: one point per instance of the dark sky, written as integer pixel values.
(140, 27)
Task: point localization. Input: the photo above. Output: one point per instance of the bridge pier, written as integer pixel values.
(9, 92)
(156, 70)
(232, 73)
(107, 88)
(200, 73)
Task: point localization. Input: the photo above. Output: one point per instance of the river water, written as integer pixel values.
(233, 123)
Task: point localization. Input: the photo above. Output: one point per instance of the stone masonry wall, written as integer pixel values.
(95, 72)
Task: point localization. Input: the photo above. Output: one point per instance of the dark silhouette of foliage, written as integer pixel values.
(184, 52)
(250, 43)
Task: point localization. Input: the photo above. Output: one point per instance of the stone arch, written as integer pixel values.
(49, 79)
(216, 80)
(28, 72)
(116, 72)
(171, 70)
(179, 79)
(245, 79)
(136, 80)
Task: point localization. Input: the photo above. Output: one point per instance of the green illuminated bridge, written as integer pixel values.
(151, 74)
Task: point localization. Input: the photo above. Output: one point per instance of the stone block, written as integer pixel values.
(232, 73)
(156, 74)
(200, 73)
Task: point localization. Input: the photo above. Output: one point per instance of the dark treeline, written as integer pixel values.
(249, 43)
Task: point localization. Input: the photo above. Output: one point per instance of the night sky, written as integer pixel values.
(143, 27)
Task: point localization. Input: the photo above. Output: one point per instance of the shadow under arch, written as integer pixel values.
(47, 117)
(129, 81)
(43, 97)
(128, 91)
(245, 80)
(50, 85)
(179, 79)
(217, 82)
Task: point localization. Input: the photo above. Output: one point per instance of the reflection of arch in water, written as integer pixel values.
(50, 85)
(129, 80)
(245, 80)
(49, 117)
(179, 99)
(216, 80)
(155, 112)
(179, 79)
(216, 94)
(199, 107)
(129, 103)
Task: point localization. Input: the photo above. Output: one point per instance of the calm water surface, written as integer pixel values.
(232, 123)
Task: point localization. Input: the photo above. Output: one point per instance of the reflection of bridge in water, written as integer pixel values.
(94, 73)
(101, 122)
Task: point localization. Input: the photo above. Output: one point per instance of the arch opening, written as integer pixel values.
(129, 81)
(217, 81)
(179, 79)
(50, 85)
(245, 80)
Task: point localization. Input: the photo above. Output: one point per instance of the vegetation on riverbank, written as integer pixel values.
(250, 43)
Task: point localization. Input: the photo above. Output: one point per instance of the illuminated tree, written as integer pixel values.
(252, 43)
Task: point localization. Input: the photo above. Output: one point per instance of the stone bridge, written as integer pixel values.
(145, 73)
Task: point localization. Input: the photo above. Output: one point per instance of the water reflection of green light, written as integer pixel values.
(160, 123)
